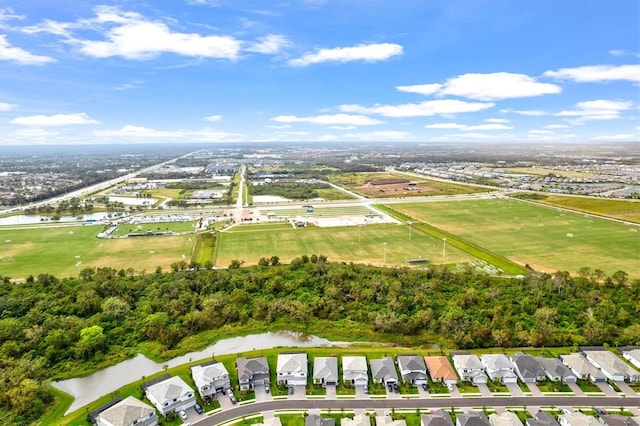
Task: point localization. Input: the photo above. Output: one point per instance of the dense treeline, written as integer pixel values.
(56, 327)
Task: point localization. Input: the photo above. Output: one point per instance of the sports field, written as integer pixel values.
(544, 237)
(127, 228)
(64, 251)
(362, 244)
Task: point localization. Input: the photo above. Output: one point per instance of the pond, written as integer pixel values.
(90, 388)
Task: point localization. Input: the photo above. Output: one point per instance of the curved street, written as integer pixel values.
(445, 403)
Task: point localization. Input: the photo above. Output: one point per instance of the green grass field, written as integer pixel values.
(51, 250)
(331, 212)
(125, 229)
(628, 210)
(350, 244)
(546, 238)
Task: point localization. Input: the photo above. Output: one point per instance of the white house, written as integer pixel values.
(129, 411)
(633, 356)
(582, 368)
(292, 368)
(388, 421)
(325, 371)
(170, 395)
(507, 418)
(354, 370)
(613, 367)
(469, 368)
(499, 367)
(358, 420)
(577, 419)
(210, 377)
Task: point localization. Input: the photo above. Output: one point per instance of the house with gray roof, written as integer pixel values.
(210, 378)
(542, 418)
(412, 369)
(469, 367)
(316, 420)
(437, 418)
(556, 371)
(383, 370)
(582, 368)
(325, 371)
(508, 418)
(528, 368)
(354, 370)
(252, 372)
(129, 411)
(618, 420)
(499, 367)
(292, 368)
(633, 356)
(472, 418)
(358, 420)
(170, 395)
(613, 367)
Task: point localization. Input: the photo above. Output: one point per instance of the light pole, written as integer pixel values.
(409, 223)
(444, 247)
(385, 253)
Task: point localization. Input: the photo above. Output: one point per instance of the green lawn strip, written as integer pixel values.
(204, 248)
(587, 385)
(141, 228)
(474, 250)
(333, 194)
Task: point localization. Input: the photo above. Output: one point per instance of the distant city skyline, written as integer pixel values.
(317, 71)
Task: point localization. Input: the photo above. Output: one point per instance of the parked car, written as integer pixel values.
(390, 387)
(366, 389)
(449, 386)
(182, 414)
(198, 409)
(267, 389)
(290, 390)
(424, 386)
(396, 388)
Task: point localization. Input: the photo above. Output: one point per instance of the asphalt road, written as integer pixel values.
(530, 401)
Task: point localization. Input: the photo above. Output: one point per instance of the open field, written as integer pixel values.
(373, 185)
(334, 194)
(363, 244)
(544, 237)
(332, 212)
(540, 171)
(126, 228)
(618, 209)
(50, 250)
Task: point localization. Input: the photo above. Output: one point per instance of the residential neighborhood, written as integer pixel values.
(300, 376)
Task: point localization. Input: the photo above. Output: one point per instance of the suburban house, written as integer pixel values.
(358, 420)
(508, 418)
(354, 370)
(169, 394)
(582, 368)
(210, 378)
(472, 418)
(577, 419)
(618, 420)
(613, 367)
(469, 367)
(633, 356)
(325, 371)
(388, 421)
(542, 418)
(383, 370)
(316, 420)
(292, 368)
(528, 368)
(441, 370)
(437, 418)
(556, 371)
(499, 367)
(412, 369)
(252, 372)
(129, 411)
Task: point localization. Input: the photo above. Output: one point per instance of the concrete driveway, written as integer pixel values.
(484, 389)
(299, 392)
(261, 394)
(331, 391)
(514, 389)
(607, 389)
(224, 400)
(360, 392)
(626, 389)
(576, 389)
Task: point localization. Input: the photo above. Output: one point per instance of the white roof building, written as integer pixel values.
(292, 368)
(128, 412)
(582, 368)
(507, 418)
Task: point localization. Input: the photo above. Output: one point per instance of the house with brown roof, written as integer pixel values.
(441, 370)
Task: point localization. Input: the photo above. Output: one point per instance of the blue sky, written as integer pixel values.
(83, 72)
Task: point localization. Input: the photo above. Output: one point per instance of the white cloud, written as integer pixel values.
(556, 126)
(140, 132)
(597, 73)
(343, 127)
(335, 119)
(496, 86)
(422, 89)
(540, 132)
(54, 120)
(470, 136)
(7, 107)
(19, 55)
(421, 109)
(496, 120)
(623, 136)
(383, 135)
(213, 118)
(283, 126)
(530, 112)
(597, 110)
(491, 126)
(363, 52)
(269, 44)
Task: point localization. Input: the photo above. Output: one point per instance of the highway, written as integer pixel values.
(388, 404)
